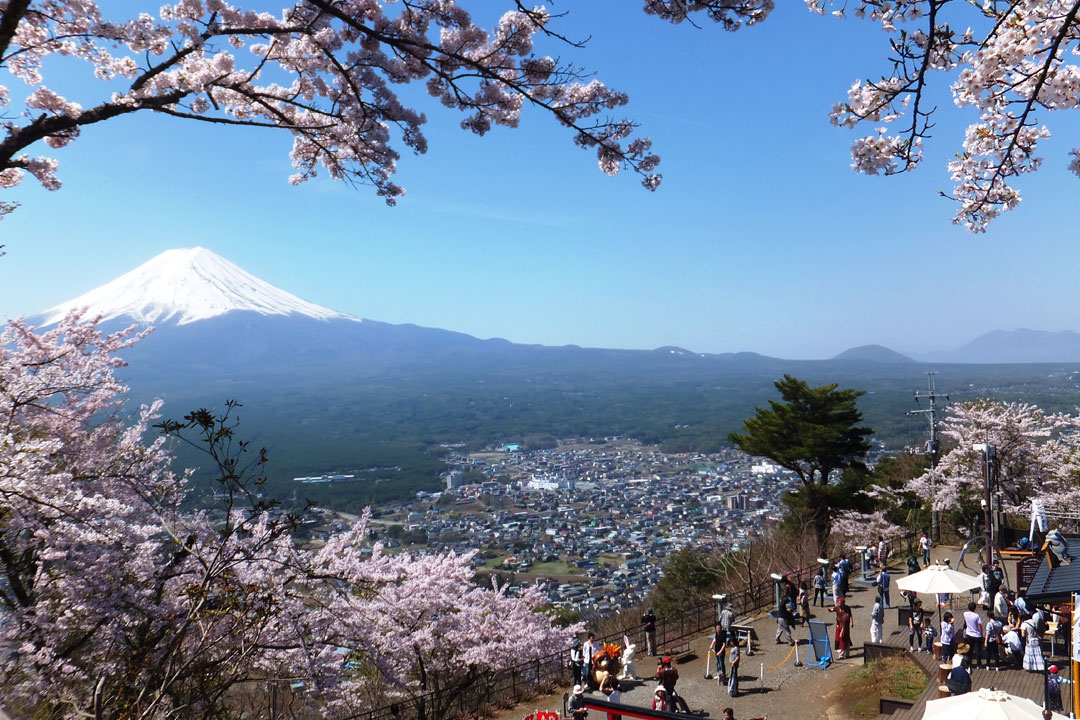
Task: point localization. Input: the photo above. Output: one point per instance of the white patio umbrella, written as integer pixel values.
(985, 704)
(938, 579)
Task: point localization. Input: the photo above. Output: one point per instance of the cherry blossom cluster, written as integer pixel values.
(322, 70)
(851, 529)
(120, 599)
(1037, 457)
(1013, 67)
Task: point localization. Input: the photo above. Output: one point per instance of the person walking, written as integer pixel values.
(924, 547)
(785, 618)
(884, 581)
(648, 624)
(877, 622)
(837, 580)
(819, 588)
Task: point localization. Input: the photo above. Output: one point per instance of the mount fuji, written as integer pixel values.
(215, 323)
(185, 286)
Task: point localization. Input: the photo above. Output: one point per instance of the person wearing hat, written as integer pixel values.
(1053, 688)
(576, 704)
(667, 677)
(576, 659)
(660, 699)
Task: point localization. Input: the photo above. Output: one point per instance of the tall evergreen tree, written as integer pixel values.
(815, 433)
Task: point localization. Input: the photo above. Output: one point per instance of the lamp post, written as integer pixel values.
(989, 455)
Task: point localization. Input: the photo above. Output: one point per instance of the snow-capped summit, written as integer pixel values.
(186, 285)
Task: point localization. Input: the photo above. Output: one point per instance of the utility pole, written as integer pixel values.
(933, 447)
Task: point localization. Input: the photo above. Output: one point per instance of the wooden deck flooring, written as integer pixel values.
(1013, 681)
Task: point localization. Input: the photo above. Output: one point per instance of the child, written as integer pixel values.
(1053, 688)
(915, 626)
(948, 637)
(928, 634)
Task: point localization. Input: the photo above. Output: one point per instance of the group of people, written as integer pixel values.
(725, 647)
(581, 659)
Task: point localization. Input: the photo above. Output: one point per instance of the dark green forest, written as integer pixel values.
(388, 429)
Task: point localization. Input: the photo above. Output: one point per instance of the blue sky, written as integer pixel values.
(761, 238)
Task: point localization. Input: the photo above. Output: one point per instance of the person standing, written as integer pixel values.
(877, 622)
(660, 699)
(1001, 604)
(1053, 688)
(928, 634)
(882, 553)
(948, 637)
(734, 657)
(884, 581)
(837, 579)
(819, 587)
(1033, 657)
(727, 620)
(577, 660)
(588, 651)
(648, 624)
(576, 704)
(973, 634)
(997, 578)
(992, 633)
(844, 624)
(803, 601)
(924, 547)
(915, 623)
(716, 650)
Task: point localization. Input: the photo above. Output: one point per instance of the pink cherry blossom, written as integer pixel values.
(125, 597)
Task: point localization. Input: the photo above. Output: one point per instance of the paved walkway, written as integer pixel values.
(770, 682)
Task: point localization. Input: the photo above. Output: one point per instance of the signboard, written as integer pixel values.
(1025, 572)
(1076, 629)
(819, 640)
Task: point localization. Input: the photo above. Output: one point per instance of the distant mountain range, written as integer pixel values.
(329, 392)
(997, 347)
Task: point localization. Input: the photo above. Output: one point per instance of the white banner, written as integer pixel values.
(1076, 628)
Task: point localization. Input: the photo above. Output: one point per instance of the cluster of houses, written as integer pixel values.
(594, 521)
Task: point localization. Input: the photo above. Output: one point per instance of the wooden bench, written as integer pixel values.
(674, 649)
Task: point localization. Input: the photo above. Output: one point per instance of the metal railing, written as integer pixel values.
(514, 683)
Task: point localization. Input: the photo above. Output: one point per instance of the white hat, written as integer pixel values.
(578, 690)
